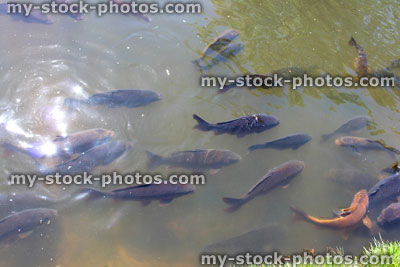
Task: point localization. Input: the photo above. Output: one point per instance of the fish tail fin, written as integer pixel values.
(235, 204)
(299, 214)
(91, 194)
(202, 124)
(326, 136)
(353, 42)
(154, 160)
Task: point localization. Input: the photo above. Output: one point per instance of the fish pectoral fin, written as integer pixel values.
(165, 202)
(368, 223)
(214, 171)
(145, 203)
(337, 212)
(25, 235)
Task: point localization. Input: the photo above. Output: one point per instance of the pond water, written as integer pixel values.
(44, 64)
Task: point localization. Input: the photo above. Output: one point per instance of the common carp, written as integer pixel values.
(278, 176)
(23, 223)
(130, 98)
(385, 189)
(217, 44)
(35, 16)
(354, 124)
(147, 193)
(350, 217)
(199, 159)
(240, 127)
(390, 216)
(293, 141)
(223, 56)
(259, 240)
(100, 155)
(351, 179)
(361, 61)
(357, 144)
(65, 146)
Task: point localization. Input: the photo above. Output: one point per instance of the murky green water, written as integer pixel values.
(43, 64)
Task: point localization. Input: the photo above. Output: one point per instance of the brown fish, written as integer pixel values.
(23, 223)
(278, 176)
(390, 216)
(199, 159)
(361, 60)
(349, 218)
(357, 144)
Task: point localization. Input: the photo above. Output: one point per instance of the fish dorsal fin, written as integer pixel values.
(259, 183)
(131, 187)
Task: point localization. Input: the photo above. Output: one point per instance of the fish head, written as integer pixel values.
(266, 121)
(151, 96)
(362, 198)
(347, 141)
(297, 166)
(231, 157)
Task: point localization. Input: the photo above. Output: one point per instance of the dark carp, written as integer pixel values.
(349, 218)
(217, 44)
(199, 159)
(351, 179)
(130, 98)
(21, 224)
(385, 189)
(281, 175)
(240, 127)
(65, 146)
(361, 60)
(35, 16)
(260, 240)
(100, 155)
(164, 193)
(293, 141)
(390, 216)
(354, 124)
(357, 144)
(223, 56)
